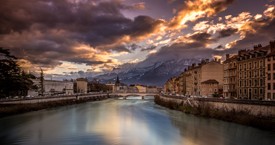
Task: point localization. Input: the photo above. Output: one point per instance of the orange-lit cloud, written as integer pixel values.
(193, 10)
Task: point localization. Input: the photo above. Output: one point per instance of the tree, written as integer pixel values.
(13, 81)
(41, 83)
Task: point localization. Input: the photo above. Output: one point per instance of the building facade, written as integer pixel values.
(52, 87)
(170, 86)
(190, 81)
(81, 85)
(251, 73)
(230, 76)
(210, 88)
(270, 72)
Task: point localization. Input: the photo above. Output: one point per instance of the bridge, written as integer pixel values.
(128, 94)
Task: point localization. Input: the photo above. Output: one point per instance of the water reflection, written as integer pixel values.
(124, 122)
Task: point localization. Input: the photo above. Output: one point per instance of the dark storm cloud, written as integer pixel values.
(202, 37)
(227, 32)
(52, 28)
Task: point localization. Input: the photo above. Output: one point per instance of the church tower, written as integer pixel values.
(117, 83)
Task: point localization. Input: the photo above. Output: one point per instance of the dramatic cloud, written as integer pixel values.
(193, 10)
(98, 35)
(227, 32)
(47, 32)
(259, 30)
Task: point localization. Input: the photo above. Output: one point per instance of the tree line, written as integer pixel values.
(13, 80)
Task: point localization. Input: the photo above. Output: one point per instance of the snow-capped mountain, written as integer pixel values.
(148, 73)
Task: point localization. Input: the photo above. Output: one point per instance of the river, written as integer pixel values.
(124, 122)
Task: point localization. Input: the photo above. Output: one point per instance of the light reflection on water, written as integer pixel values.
(124, 122)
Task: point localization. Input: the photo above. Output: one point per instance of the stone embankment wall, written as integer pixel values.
(12, 107)
(55, 98)
(255, 113)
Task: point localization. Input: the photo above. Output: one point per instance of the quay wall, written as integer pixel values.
(54, 98)
(12, 107)
(254, 113)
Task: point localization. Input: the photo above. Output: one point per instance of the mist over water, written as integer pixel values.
(124, 122)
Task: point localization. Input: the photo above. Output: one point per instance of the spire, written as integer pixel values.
(117, 81)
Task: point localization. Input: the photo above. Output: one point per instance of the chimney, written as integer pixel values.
(272, 46)
(257, 46)
(240, 52)
(227, 56)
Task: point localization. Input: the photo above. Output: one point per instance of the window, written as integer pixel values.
(273, 66)
(268, 86)
(255, 91)
(268, 59)
(273, 86)
(261, 91)
(268, 76)
(273, 76)
(269, 95)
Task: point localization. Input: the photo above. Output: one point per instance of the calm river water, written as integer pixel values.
(124, 122)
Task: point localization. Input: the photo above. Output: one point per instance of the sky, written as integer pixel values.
(68, 37)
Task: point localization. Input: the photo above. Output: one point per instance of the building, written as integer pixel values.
(251, 73)
(169, 86)
(181, 84)
(230, 76)
(210, 88)
(190, 81)
(152, 89)
(141, 88)
(270, 72)
(132, 89)
(52, 87)
(119, 87)
(81, 85)
(204, 71)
